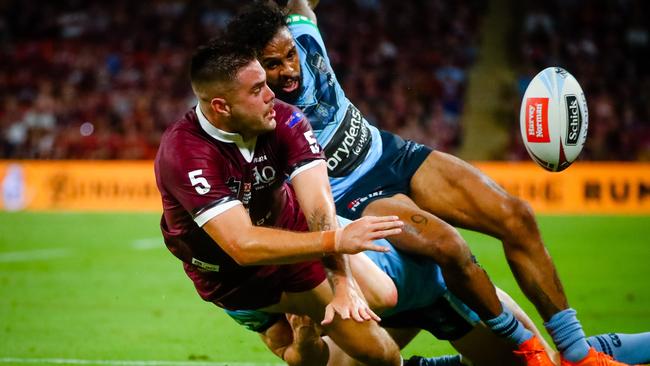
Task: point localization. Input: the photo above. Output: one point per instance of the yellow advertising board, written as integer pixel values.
(91, 185)
(584, 188)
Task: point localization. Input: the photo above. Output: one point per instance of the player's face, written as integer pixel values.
(282, 65)
(251, 102)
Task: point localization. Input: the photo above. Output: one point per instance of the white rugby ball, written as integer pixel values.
(554, 119)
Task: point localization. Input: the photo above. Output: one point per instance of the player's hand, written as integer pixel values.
(349, 303)
(304, 329)
(358, 236)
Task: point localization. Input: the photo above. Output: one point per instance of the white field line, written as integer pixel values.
(31, 255)
(54, 253)
(147, 243)
(72, 361)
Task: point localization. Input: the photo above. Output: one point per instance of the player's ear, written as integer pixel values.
(220, 106)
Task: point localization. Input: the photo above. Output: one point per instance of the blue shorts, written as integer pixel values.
(391, 175)
(447, 318)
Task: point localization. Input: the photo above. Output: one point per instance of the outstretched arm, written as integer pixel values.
(303, 7)
(251, 245)
(315, 197)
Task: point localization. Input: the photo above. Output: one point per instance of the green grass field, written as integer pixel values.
(92, 288)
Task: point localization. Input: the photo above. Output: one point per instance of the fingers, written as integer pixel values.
(358, 315)
(367, 314)
(372, 315)
(377, 219)
(383, 222)
(384, 233)
(375, 247)
(329, 315)
(331, 311)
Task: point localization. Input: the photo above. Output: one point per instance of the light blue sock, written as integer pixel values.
(568, 336)
(633, 349)
(507, 326)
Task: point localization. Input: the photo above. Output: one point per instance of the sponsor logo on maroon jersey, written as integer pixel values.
(264, 175)
(295, 118)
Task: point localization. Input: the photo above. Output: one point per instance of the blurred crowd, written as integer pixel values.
(102, 80)
(606, 46)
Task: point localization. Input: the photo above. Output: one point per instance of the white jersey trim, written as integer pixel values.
(246, 148)
(214, 212)
(307, 166)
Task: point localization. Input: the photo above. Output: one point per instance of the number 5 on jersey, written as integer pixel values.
(313, 143)
(198, 182)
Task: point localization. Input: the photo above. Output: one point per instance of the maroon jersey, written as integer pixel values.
(202, 171)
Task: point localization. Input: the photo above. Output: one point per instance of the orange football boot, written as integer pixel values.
(594, 358)
(532, 353)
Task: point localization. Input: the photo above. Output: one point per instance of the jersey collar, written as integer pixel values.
(247, 148)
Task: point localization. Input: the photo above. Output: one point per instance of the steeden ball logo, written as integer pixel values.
(537, 120)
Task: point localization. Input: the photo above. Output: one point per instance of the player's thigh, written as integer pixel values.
(311, 303)
(460, 194)
(362, 340)
(423, 233)
(403, 336)
(339, 358)
(377, 287)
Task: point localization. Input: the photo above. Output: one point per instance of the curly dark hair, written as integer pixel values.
(218, 61)
(256, 24)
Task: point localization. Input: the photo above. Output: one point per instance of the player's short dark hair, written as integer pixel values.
(218, 61)
(256, 24)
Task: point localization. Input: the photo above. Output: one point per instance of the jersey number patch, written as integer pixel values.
(198, 182)
(313, 143)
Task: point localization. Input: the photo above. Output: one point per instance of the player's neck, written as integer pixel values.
(220, 128)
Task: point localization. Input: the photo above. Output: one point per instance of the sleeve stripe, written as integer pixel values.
(294, 19)
(212, 212)
(304, 167)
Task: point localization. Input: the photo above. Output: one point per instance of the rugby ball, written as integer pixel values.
(554, 119)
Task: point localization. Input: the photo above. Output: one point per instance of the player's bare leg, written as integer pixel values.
(365, 342)
(425, 234)
(297, 340)
(463, 196)
(521, 315)
(338, 358)
(475, 345)
(376, 286)
(480, 345)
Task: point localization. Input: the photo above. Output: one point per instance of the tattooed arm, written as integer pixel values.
(315, 197)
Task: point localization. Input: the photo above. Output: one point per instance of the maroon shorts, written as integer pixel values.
(255, 287)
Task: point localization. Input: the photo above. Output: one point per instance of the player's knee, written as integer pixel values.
(300, 356)
(519, 221)
(452, 251)
(385, 299)
(373, 354)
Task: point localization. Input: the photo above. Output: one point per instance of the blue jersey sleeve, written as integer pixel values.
(301, 25)
(352, 146)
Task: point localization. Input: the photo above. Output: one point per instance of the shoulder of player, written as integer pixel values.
(287, 115)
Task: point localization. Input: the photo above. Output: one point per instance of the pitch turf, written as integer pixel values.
(103, 287)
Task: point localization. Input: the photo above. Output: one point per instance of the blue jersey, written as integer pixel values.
(352, 146)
